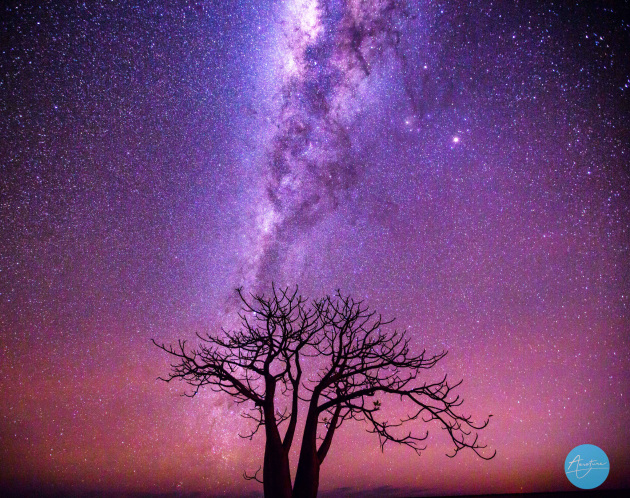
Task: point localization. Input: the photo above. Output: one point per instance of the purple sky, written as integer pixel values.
(462, 168)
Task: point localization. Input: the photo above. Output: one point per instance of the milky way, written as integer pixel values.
(460, 167)
(328, 51)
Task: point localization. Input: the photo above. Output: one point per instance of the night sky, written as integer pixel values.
(463, 167)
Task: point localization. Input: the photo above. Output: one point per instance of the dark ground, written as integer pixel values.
(350, 494)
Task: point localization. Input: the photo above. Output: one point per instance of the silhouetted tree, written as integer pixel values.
(358, 365)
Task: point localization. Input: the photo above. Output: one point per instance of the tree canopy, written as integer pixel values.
(358, 363)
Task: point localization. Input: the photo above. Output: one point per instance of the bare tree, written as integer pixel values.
(358, 366)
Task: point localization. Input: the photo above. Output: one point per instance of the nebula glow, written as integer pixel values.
(462, 168)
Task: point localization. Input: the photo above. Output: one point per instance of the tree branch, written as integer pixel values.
(325, 446)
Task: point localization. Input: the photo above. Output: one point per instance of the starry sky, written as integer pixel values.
(463, 167)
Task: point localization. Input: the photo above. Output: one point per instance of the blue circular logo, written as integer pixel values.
(587, 466)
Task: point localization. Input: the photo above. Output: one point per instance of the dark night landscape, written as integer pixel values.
(250, 248)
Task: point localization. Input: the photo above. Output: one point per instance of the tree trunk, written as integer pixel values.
(276, 473)
(307, 475)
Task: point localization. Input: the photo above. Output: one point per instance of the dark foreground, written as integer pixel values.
(342, 493)
(561, 494)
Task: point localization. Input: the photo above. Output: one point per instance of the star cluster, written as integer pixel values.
(462, 167)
